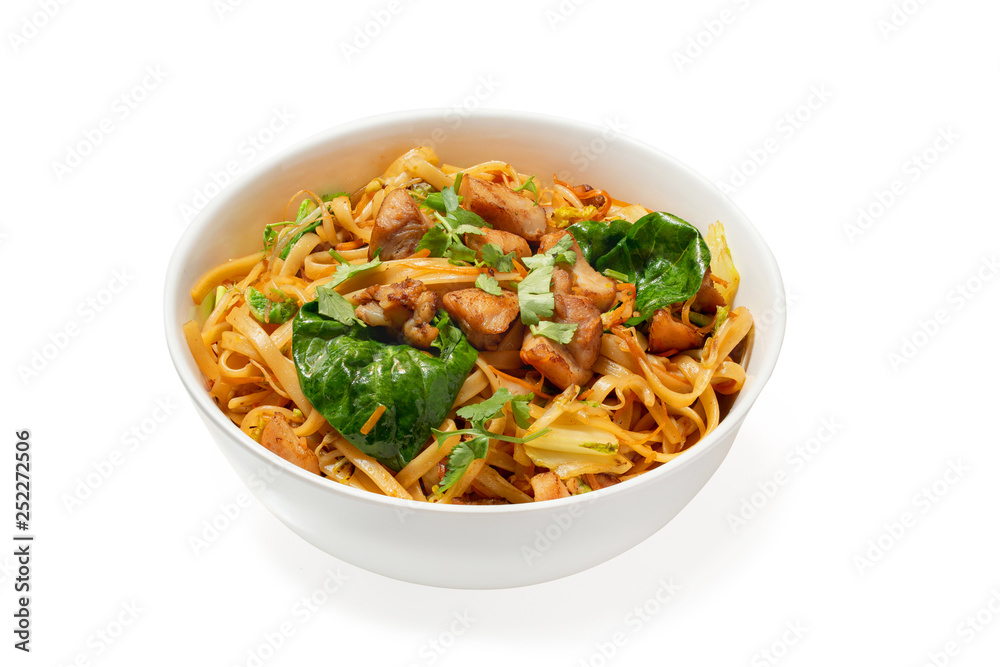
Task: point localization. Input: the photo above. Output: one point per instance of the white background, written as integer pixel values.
(835, 101)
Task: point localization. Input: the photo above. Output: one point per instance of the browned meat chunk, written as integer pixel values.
(586, 281)
(279, 437)
(548, 486)
(568, 364)
(708, 298)
(407, 308)
(503, 208)
(398, 227)
(666, 333)
(508, 242)
(483, 317)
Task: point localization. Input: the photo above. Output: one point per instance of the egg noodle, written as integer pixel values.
(637, 411)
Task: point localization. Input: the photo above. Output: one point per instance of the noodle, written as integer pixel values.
(640, 402)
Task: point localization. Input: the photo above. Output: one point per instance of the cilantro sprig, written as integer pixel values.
(444, 239)
(533, 292)
(476, 447)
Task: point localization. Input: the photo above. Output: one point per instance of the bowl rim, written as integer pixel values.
(388, 123)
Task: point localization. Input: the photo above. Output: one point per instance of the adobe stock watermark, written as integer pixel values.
(921, 503)
(795, 461)
(32, 24)
(711, 29)
(86, 312)
(129, 442)
(560, 523)
(786, 127)
(912, 170)
(301, 612)
(484, 88)
(101, 640)
(247, 152)
(926, 329)
(366, 33)
(122, 107)
(899, 15)
(633, 622)
(434, 648)
(229, 512)
(585, 154)
(966, 631)
(774, 653)
(560, 13)
(223, 8)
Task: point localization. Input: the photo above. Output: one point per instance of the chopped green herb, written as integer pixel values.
(444, 239)
(345, 271)
(533, 294)
(333, 305)
(488, 284)
(530, 186)
(560, 333)
(493, 256)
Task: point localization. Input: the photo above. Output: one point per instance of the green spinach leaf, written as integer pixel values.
(663, 255)
(346, 372)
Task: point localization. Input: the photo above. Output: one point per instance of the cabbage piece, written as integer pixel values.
(722, 263)
(576, 443)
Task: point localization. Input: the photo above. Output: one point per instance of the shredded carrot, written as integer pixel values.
(718, 280)
(520, 269)
(370, 424)
(420, 254)
(537, 389)
(349, 245)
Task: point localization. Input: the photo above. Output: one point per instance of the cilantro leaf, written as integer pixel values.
(533, 294)
(520, 407)
(561, 250)
(493, 256)
(560, 333)
(345, 271)
(461, 457)
(436, 239)
(485, 410)
(333, 305)
(488, 284)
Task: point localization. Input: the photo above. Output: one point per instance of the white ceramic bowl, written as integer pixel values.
(462, 546)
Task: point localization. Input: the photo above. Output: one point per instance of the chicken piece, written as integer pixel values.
(407, 308)
(587, 282)
(666, 333)
(568, 364)
(562, 281)
(508, 242)
(503, 208)
(279, 437)
(399, 226)
(708, 298)
(484, 318)
(548, 486)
